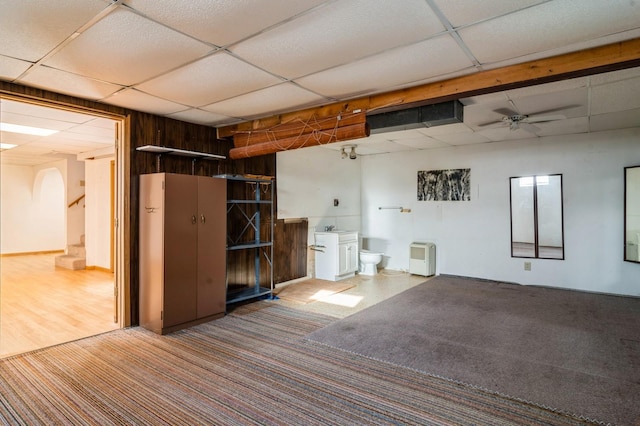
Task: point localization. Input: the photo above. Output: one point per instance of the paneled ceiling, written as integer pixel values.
(220, 62)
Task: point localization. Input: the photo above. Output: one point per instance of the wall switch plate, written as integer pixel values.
(527, 266)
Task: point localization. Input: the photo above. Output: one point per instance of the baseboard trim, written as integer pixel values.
(27, 253)
(98, 268)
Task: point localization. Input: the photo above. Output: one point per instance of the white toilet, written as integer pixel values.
(369, 262)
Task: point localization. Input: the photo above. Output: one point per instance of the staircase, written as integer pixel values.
(75, 257)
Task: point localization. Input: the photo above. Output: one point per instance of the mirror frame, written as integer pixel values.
(626, 206)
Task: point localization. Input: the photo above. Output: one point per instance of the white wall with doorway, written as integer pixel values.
(98, 214)
(33, 208)
(473, 237)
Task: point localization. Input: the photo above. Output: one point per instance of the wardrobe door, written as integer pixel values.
(212, 236)
(180, 256)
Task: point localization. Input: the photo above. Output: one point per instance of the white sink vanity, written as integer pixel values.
(336, 254)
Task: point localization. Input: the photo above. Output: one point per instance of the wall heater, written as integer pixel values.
(422, 259)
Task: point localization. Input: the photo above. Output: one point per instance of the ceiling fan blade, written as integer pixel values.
(492, 124)
(528, 127)
(543, 118)
(505, 111)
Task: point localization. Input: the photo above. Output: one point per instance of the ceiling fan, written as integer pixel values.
(515, 120)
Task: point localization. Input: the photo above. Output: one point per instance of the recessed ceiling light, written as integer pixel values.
(7, 145)
(27, 130)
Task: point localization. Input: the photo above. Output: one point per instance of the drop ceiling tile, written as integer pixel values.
(33, 121)
(140, 101)
(199, 116)
(423, 142)
(617, 96)
(563, 127)
(381, 147)
(462, 138)
(17, 138)
(32, 110)
(610, 77)
(283, 97)
(394, 67)
(214, 78)
(555, 24)
(67, 83)
(30, 149)
(126, 48)
(339, 33)
(503, 133)
(221, 22)
(464, 12)
(615, 120)
(11, 68)
(103, 134)
(570, 103)
(78, 139)
(30, 29)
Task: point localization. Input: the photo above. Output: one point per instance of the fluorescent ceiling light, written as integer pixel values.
(27, 130)
(7, 145)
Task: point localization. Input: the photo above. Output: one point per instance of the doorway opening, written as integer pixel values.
(63, 191)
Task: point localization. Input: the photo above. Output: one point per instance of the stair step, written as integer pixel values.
(77, 250)
(71, 262)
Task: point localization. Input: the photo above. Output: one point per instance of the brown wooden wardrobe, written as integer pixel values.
(182, 250)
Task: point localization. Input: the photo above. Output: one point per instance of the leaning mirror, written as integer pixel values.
(632, 214)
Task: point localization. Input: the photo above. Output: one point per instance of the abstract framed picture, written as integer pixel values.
(444, 185)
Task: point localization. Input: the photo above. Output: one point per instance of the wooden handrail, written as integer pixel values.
(76, 201)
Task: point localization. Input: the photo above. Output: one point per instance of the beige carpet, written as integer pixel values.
(311, 290)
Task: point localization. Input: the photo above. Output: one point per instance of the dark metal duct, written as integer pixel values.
(414, 118)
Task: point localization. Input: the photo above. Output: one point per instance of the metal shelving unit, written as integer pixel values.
(248, 238)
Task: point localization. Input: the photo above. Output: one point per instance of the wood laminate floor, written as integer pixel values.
(43, 305)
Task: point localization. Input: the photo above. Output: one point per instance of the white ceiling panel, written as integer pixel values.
(570, 103)
(462, 138)
(33, 110)
(338, 33)
(463, 12)
(221, 22)
(30, 29)
(391, 68)
(423, 142)
(140, 101)
(615, 120)
(610, 77)
(563, 127)
(69, 84)
(11, 68)
(549, 88)
(617, 96)
(503, 133)
(446, 129)
(41, 123)
(380, 147)
(214, 78)
(284, 96)
(121, 39)
(17, 138)
(556, 23)
(199, 116)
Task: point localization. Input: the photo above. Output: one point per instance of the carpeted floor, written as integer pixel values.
(251, 367)
(574, 351)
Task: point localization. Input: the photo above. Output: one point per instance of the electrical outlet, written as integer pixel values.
(527, 266)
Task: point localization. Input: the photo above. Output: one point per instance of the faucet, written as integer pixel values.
(329, 228)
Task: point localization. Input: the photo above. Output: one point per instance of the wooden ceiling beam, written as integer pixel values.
(612, 57)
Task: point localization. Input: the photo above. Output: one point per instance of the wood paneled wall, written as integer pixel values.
(147, 129)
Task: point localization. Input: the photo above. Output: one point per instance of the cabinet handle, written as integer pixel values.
(202, 219)
(194, 220)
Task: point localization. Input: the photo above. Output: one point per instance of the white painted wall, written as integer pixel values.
(473, 238)
(33, 208)
(97, 212)
(74, 188)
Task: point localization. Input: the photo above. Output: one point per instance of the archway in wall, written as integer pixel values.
(53, 206)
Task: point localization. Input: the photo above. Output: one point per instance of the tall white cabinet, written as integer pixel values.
(182, 250)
